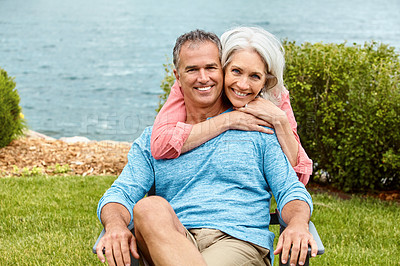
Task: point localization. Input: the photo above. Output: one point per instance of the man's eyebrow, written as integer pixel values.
(187, 67)
(212, 65)
(196, 66)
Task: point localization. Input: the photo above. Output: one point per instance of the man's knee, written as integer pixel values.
(155, 216)
(149, 208)
(153, 213)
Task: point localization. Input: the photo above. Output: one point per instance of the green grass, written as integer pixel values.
(52, 221)
(359, 231)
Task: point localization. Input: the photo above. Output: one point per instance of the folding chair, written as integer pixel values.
(275, 219)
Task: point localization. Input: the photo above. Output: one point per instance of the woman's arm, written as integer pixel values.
(171, 136)
(204, 131)
(169, 130)
(283, 120)
(304, 165)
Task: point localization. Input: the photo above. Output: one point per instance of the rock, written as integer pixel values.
(114, 143)
(75, 139)
(36, 135)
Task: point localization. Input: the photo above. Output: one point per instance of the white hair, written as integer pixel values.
(267, 46)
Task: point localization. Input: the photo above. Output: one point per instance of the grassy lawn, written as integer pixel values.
(52, 221)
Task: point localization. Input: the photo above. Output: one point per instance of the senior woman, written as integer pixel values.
(253, 63)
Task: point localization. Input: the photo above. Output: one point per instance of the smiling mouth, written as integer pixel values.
(203, 88)
(240, 94)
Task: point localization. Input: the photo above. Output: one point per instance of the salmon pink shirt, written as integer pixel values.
(170, 132)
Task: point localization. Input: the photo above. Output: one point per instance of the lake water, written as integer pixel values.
(93, 68)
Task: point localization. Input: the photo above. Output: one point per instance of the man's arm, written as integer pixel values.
(296, 236)
(118, 241)
(293, 201)
(115, 208)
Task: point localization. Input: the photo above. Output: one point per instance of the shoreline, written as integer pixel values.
(75, 139)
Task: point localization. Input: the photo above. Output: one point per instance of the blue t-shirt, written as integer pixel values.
(225, 184)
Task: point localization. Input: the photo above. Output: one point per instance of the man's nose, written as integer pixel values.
(203, 77)
(243, 83)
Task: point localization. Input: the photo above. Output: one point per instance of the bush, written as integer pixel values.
(166, 84)
(346, 99)
(347, 102)
(12, 122)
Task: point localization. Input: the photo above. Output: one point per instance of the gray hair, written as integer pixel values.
(267, 46)
(195, 36)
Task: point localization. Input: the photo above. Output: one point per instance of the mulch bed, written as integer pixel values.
(90, 158)
(393, 195)
(98, 158)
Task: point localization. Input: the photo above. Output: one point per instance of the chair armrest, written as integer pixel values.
(313, 231)
(97, 241)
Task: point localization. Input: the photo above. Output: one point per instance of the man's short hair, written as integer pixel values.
(195, 36)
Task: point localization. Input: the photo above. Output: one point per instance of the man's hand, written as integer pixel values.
(296, 236)
(118, 243)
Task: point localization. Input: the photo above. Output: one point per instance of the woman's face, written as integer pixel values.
(245, 76)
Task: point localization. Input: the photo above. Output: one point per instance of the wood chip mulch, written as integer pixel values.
(55, 157)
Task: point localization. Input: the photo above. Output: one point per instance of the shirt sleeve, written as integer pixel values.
(133, 183)
(281, 178)
(304, 164)
(169, 130)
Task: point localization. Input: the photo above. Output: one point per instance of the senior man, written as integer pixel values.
(212, 204)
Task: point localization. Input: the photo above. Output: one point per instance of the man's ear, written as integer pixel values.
(177, 77)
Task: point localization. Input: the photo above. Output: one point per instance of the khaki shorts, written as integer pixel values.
(220, 249)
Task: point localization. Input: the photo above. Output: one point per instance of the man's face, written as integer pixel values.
(200, 74)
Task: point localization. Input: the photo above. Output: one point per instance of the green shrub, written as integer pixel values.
(347, 102)
(166, 84)
(11, 118)
(346, 99)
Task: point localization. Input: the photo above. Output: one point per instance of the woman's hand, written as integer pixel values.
(247, 122)
(265, 110)
(268, 112)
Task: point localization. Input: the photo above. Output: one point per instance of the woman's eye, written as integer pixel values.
(256, 76)
(236, 71)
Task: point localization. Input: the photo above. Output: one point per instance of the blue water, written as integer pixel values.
(93, 68)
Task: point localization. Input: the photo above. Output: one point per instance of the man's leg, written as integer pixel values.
(161, 236)
(220, 249)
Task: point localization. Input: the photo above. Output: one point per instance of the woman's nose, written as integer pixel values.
(243, 83)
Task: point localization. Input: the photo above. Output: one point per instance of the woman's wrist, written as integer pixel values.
(227, 121)
(281, 120)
